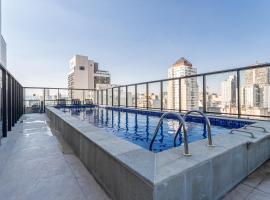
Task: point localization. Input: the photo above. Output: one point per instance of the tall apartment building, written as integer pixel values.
(258, 76)
(3, 48)
(228, 92)
(255, 92)
(189, 87)
(85, 74)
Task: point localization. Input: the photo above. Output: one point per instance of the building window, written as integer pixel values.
(82, 68)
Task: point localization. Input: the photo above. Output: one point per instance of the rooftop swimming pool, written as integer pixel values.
(138, 126)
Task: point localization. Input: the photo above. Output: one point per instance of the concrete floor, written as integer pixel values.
(255, 187)
(36, 164)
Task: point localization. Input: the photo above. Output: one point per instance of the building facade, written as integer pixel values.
(189, 86)
(228, 94)
(3, 46)
(255, 92)
(85, 74)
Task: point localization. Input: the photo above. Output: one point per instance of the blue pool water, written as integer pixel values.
(139, 128)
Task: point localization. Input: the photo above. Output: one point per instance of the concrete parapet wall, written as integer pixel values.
(127, 171)
(113, 175)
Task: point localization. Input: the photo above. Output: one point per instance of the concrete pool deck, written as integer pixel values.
(33, 164)
(255, 187)
(36, 164)
(208, 174)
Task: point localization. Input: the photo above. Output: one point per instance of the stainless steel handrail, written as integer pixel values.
(243, 131)
(182, 124)
(260, 127)
(209, 132)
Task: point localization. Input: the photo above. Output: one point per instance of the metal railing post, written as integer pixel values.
(119, 93)
(126, 96)
(136, 96)
(58, 95)
(180, 95)
(101, 97)
(106, 96)
(71, 96)
(13, 102)
(98, 97)
(4, 103)
(238, 94)
(161, 95)
(23, 102)
(44, 99)
(83, 97)
(147, 96)
(9, 104)
(204, 94)
(112, 96)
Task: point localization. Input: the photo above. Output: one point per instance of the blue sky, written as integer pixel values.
(135, 40)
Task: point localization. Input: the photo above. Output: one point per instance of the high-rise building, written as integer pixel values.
(250, 95)
(228, 93)
(189, 86)
(266, 97)
(255, 92)
(85, 74)
(257, 76)
(3, 48)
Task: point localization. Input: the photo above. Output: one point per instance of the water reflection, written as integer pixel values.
(139, 129)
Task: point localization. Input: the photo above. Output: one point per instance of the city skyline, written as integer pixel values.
(205, 34)
(221, 95)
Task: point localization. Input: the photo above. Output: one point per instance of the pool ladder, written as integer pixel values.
(246, 131)
(242, 131)
(252, 126)
(183, 124)
(209, 131)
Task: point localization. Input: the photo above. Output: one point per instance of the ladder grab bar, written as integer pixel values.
(182, 124)
(260, 127)
(243, 131)
(209, 131)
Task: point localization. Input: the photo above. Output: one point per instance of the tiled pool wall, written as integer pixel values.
(126, 171)
(217, 121)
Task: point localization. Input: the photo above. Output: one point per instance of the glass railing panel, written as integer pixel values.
(192, 93)
(89, 97)
(255, 92)
(33, 100)
(131, 96)
(110, 97)
(78, 96)
(64, 96)
(123, 96)
(51, 96)
(141, 96)
(171, 95)
(221, 93)
(115, 97)
(104, 98)
(154, 95)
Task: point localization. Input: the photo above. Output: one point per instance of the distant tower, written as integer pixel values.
(189, 87)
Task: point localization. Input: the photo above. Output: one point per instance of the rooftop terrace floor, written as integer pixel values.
(36, 163)
(255, 187)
